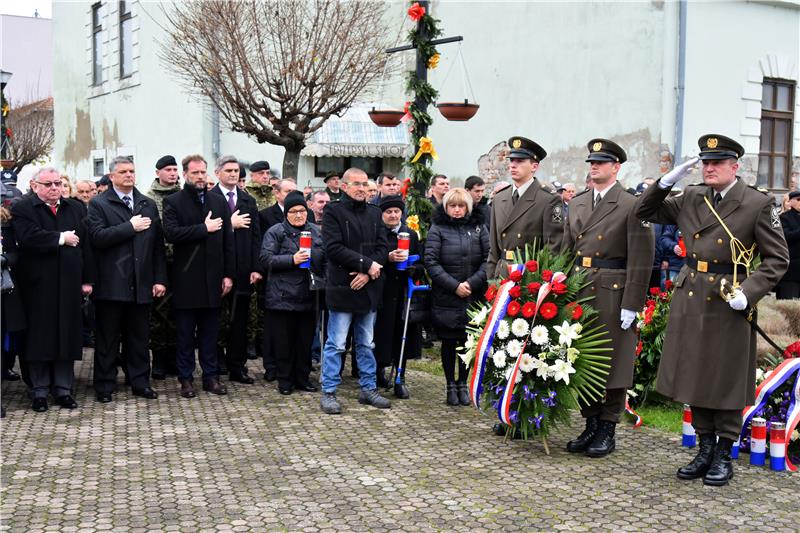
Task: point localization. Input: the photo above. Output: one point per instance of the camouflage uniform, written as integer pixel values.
(255, 326)
(162, 324)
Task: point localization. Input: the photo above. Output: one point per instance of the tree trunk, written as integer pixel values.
(291, 160)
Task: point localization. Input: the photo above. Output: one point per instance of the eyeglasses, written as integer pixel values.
(50, 183)
(358, 184)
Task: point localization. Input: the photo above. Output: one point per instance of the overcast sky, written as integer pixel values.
(26, 8)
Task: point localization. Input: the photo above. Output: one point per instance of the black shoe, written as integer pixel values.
(721, 469)
(583, 441)
(699, 465)
(146, 392)
(603, 442)
(214, 387)
(10, 375)
(463, 395)
(306, 387)
(187, 388)
(284, 390)
(380, 379)
(66, 402)
(452, 393)
(270, 376)
(241, 377)
(39, 405)
(158, 373)
(103, 397)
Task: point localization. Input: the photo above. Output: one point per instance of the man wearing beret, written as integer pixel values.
(709, 356)
(616, 251)
(526, 211)
(789, 287)
(162, 315)
(332, 186)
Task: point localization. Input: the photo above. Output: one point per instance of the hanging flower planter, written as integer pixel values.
(386, 118)
(457, 111)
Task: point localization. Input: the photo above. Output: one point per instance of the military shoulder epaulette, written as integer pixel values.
(697, 185)
(762, 190)
(582, 192)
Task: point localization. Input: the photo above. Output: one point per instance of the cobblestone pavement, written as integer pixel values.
(257, 461)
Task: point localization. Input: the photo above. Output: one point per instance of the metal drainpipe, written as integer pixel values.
(682, 6)
(215, 148)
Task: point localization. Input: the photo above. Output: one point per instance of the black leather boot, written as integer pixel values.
(721, 469)
(380, 378)
(452, 393)
(699, 465)
(463, 394)
(603, 442)
(583, 440)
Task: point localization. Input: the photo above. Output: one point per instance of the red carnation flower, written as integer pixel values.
(559, 288)
(416, 12)
(491, 292)
(639, 348)
(534, 287)
(793, 350)
(528, 309)
(531, 266)
(577, 311)
(668, 285)
(515, 276)
(547, 275)
(515, 291)
(513, 308)
(548, 310)
(654, 291)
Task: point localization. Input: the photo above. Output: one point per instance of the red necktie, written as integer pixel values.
(53, 208)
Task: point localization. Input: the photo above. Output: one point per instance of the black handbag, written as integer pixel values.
(7, 283)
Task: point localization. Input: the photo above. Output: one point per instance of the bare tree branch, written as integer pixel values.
(276, 69)
(32, 132)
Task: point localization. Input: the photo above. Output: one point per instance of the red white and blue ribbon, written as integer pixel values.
(516, 267)
(637, 420)
(496, 315)
(782, 373)
(504, 405)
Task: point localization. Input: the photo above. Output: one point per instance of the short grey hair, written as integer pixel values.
(286, 180)
(224, 160)
(46, 170)
(119, 160)
(84, 182)
(319, 193)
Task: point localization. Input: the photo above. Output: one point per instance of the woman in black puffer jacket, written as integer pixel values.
(290, 318)
(455, 258)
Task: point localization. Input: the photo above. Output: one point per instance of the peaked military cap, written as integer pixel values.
(166, 161)
(714, 146)
(605, 151)
(258, 166)
(522, 148)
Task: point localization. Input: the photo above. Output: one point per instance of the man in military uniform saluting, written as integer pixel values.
(616, 250)
(709, 355)
(524, 212)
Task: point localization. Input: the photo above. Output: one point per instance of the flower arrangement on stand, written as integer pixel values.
(652, 328)
(535, 350)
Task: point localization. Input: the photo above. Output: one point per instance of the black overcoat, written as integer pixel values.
(790, 222)
(200, 259)
(247, 241)
(354, 236)
(50, 276)
(12, 314)
(128, 263)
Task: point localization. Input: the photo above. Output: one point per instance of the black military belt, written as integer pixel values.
(714, 268)
(590, 262)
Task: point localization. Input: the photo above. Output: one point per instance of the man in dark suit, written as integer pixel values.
(204, 265)
(247, 244)
(789, 286)
(125, 232)
(54, 272)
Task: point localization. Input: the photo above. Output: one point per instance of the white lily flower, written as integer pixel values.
(561, 370)
(480, 316)
(519, 327)
(541, 368)
(540, 335)
(499, 359)
(503, 330)
(568, 333)
(572, 354)
(467, 356)
(526, 363)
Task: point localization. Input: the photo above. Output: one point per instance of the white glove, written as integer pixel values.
(739, 301)
(678, 173)
(627, 317)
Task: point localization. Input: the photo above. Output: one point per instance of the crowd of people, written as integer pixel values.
(223, 269)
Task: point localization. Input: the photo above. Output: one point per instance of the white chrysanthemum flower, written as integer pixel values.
(514, 348)
(572, 354)
(526, 363)
(480, 316)
(499, 359)
(561, 370)
(519, 327)
(503, 330)
(540, 335)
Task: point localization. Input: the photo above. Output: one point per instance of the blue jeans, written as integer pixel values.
(338, 326)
